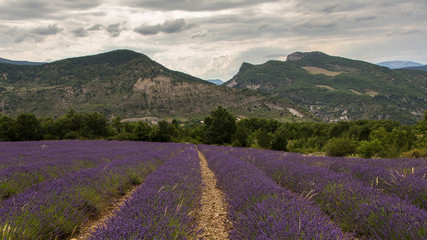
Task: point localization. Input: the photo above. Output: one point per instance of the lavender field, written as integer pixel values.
(57, 189)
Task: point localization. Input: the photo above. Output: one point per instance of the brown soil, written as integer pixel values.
(212, 215)
(106, 214)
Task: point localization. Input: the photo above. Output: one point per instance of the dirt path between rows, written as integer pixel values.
(87, 230)
(212, 215)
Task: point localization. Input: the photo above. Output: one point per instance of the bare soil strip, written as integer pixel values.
(212, 215)
(88, 228)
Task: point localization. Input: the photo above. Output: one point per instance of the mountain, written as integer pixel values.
(420, 68)
(399, 64)
(128, 84)
(336, 88)
(3, 60)
(215, 81)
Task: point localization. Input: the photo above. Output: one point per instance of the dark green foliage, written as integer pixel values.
(164, 132)
(366, 138)
(7, 128)
(94, 125)
(142, 131)
(280, 141)
(220, 126)
(339, 147)
(263, 138)
(27, 127)
(240, 137)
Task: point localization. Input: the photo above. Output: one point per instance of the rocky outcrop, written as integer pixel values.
(296, 56)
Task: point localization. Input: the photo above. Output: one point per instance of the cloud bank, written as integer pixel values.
(210, 39)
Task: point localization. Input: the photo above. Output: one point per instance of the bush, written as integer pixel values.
(339, 147)
(369, 149)
(416, 153)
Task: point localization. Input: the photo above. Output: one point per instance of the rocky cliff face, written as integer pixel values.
(296, 56)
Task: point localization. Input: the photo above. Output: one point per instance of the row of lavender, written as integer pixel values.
(355, 205)
(261, 209)
(404, 178)
(25, 164)
(163, 207)
(65, 198)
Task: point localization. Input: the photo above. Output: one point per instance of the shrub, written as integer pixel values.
(415, 153)
(369, 149)
(339, 147)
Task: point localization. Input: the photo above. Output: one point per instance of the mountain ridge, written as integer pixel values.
(128, 84)
(399, 64)
(336, 88)
(27, 63)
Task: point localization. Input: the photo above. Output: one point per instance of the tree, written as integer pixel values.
(339, 147)
(263, 138)
(7, 128)
(27, 127)
(94, 125)
(165, 132)
(280, 140)
(220, 126)
(142, 131)
(240, 137)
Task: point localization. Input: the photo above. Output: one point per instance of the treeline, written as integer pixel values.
(362, 138)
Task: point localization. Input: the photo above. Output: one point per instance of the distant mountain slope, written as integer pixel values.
(421, 68)
(335, 88)
(3, 60)
(399, 64)
(129, 84)
(215, 81)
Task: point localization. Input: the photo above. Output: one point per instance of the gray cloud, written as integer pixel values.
(114, 29)
(42, 9)
(51, 29)
(194, 5)
(169, 26)
(80, 32)
(95, 27)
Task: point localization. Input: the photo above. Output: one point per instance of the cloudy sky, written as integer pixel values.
(211, 38)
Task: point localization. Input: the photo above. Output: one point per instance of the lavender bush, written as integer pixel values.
(260, 209)
(56, 207)
(354, 205)
(161, 208)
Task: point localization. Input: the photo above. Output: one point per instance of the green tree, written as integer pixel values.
(220, 126)
(164, 132)
(339, 147)
(369, 149)
(142, 131)
(27, 127)
(7, 128)
(280, 140)
(240, 137)
(263, 138)
(117, 124)
(94, 125)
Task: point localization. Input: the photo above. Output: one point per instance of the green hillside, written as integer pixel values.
(129, 84)
(335, 88)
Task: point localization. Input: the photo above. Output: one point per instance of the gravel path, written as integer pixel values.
(88, 228)
(212, 216)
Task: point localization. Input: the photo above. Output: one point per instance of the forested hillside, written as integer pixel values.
(335, 88)
(128, 84)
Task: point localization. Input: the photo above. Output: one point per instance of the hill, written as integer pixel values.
(420, 68)
(3, 60)
(399, 64)
(215, 81)
(128, 84)
(335, 88)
